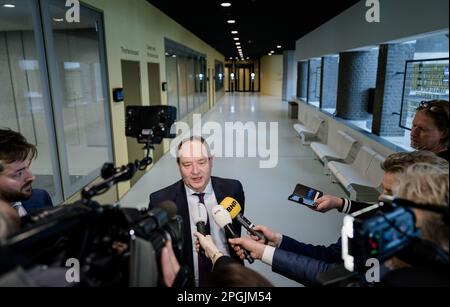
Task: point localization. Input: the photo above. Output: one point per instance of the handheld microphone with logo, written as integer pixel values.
(200, 218)
(234, 209)
(223, 219)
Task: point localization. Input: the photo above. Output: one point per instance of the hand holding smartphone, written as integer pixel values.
(305, 195)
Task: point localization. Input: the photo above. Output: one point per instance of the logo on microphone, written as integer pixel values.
(231, 206)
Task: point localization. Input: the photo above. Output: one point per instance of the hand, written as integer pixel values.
(169, 264)
(327, 203)
(207, 244)
(256, 249)
(272, 236)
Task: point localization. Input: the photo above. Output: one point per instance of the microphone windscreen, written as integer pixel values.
(231, 205)
(169, 207)
(199, 214)
(221, 216)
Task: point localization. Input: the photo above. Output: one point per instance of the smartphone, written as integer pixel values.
(305, 195)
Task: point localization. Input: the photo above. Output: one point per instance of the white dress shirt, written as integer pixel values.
(217, 234)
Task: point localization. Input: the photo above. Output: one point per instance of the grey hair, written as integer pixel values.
(427, 184)
(190, 139)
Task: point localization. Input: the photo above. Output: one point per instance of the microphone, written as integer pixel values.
(223, 219)
(200, 218)
(234, 209)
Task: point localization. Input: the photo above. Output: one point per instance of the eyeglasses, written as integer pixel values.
(428, 105)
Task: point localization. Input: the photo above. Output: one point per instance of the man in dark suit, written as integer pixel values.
(16, 178)
(197, 186)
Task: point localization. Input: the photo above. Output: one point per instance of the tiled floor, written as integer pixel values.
(266, 189)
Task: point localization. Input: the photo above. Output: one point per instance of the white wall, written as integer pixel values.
(398, 19)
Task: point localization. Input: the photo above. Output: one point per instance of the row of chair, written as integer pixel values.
(361, 177)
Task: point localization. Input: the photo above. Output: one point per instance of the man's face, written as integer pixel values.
(15, 181)
(387, 183)
(424, 133)
(195, 165)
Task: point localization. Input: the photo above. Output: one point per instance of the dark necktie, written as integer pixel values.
(204, 264)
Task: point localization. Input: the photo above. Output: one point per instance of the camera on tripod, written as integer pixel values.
(114, 246)
(149, 123)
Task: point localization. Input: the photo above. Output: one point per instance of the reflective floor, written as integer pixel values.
(266, 189)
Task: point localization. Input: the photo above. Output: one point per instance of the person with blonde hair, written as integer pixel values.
(424, 183)
(425, 262)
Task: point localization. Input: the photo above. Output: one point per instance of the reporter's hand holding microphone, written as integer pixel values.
(259, 235)
(206, 243)
(254, 245)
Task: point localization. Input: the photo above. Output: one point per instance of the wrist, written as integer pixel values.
(216, 255)
(340, 204)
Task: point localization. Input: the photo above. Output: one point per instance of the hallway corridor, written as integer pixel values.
(266, 189)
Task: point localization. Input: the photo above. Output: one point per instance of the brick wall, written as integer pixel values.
(357, 74)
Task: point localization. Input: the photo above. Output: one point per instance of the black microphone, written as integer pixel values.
(223, 219)
(200, 218)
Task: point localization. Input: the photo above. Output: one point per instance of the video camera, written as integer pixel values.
(149, 122)
(114, 246)
(382, 231)
(379, 232)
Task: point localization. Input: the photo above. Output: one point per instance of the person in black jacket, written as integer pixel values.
(198, 186)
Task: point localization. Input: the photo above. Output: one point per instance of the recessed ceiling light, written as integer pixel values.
(225, 4)
(248, 58)
(9, 5)
(271, 51)
(236, 38)
(231, 58)
(58, 19)
(231, 21)
(279, 46)
(234, 32)
(174, 56)
(238, 43)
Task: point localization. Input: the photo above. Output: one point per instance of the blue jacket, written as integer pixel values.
(302, 262)
(39, 199)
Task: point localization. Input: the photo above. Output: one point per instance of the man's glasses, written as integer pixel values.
(429, 106)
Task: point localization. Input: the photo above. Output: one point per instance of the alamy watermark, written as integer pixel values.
(73, 272)
(373, 273)
(373, 13)
(73, 13)
(233, 139)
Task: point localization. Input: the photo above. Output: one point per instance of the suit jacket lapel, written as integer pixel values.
(183, 211)
(217, 188)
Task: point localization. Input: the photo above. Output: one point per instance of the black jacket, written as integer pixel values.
(177, 193)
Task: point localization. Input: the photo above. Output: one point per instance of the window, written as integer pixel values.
(424, 80)
(67, 118)
(186, 77)
(314, 80)
(330, 69)
(425, 77)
